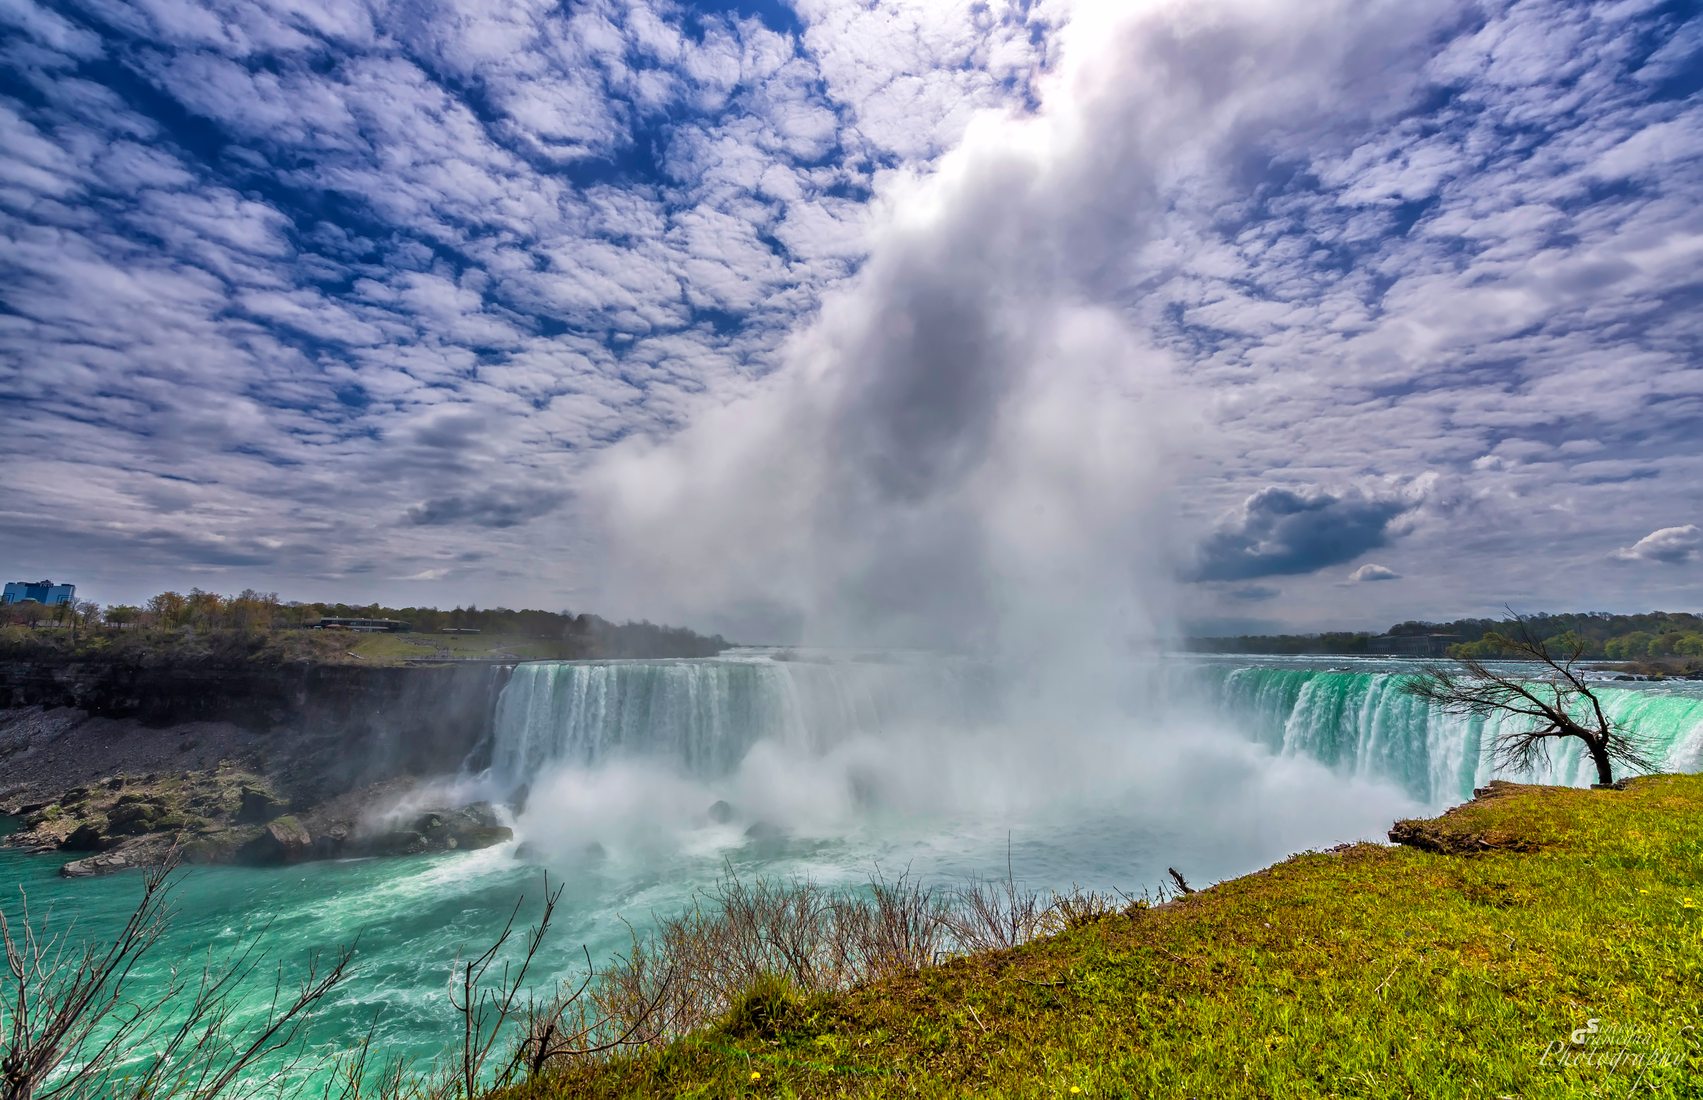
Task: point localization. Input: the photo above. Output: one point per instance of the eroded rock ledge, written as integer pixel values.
(232, 816)
(245, 766)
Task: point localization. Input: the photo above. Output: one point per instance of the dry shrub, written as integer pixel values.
(695, 969)
(997, 915)
(899, 928)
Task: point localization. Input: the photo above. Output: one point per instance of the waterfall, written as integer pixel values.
(703, 715)
(1361, 722)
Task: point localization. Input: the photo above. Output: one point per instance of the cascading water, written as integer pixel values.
(703, 716)
(1361, 722)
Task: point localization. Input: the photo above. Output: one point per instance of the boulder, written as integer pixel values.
(134, 818)
(257, 805)
(90, 836)
(330, 843)
(482, 813)
(721, 812)
(470, 827)
(482, 836)
(284, 840)
(220, 845)
(397, 842)
(96, 865)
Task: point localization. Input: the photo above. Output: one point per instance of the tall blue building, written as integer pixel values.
(43, 592)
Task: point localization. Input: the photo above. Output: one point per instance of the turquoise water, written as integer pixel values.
(1355, 717)
(863, 765)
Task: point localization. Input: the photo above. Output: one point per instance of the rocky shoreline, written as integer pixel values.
(233, 816)
(227, 771)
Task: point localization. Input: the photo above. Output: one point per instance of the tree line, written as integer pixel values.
(255, 615)
(1596, 635)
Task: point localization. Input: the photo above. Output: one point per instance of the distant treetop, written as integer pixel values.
(1604, 636)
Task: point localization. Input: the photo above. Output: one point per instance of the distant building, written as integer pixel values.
(42, 592)
(371, 626)
(1414, 645)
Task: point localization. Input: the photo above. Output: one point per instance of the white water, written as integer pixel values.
(837, 761)
(907, 756)
(1356, 719)
(706, 715)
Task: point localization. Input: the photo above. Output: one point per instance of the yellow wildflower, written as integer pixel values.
(755, 1076)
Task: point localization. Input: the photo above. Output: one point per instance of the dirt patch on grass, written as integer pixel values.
(1438, 835)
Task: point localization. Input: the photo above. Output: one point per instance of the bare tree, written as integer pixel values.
(71, 1026)
(1555, 703)
(564, 1028)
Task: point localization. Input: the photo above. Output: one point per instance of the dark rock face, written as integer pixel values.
(87, 837)
(139, 816)
(258, 805)
(372, 722)
(720, 812)
(469, 828)
(265, 764)
(285, 840)
(330, 844)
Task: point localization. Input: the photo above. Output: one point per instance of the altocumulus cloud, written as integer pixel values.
(1669, 546)
(1286, 531)
(271, 270)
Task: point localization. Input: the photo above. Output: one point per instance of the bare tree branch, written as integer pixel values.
(69, 1028)
(1557, 703)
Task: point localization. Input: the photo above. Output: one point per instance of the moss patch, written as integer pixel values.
(1365, 971)
(127, 807)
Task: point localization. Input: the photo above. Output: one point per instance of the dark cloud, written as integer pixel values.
(1279, 532)
(1254, 593)
(497, 508)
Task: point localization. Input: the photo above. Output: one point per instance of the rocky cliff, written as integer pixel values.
(367, 722)
(197, 749)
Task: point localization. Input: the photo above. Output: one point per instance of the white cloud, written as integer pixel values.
(1398, 240)
(1371, 572)
(1669, 546)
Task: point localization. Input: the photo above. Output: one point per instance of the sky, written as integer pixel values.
(900, 321)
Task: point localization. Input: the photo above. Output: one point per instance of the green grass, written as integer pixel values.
(1363, 971)
(387, 648)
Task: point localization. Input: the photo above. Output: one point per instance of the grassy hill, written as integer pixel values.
(1462, 963)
